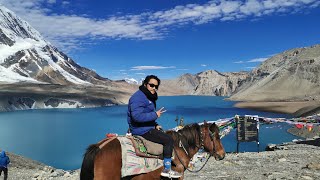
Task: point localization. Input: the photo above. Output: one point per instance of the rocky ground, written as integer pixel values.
(304, 132)
(287, 161)
(22, 168)
(291, 161)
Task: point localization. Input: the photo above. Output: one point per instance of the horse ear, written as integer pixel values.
(212, 125)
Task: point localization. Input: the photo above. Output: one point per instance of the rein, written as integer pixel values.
(201, 146)
(187, 167)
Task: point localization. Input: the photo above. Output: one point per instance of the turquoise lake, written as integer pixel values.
(59, 137)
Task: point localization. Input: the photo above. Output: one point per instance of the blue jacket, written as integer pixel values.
(4, 159)
(141, 114)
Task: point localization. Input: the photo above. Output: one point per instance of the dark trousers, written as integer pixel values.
(161, 138)
(5, 170)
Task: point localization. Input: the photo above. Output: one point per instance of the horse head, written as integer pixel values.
(211, 140)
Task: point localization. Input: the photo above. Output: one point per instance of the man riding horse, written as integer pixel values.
(115, 157)
(142, 116)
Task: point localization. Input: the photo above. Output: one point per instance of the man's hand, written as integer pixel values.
(160, 111)
(158, 127)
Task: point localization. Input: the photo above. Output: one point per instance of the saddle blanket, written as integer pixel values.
(133, 164)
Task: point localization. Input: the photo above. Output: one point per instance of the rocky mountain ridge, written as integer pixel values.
(289, 76)
(210, 83)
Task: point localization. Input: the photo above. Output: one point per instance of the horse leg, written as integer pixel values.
(179, 168)
(153, 175)
(108, 163)
(181, 178)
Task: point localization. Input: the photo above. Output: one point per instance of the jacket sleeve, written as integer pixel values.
(138, 112)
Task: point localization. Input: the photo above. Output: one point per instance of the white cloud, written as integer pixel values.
(250, 67)
(203, 65)
(239, 62)
(252, 7)
(228, 7)
(257, 60)
(65, 2)
(139, 68)
(62, 28)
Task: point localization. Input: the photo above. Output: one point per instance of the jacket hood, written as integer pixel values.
(2, 154)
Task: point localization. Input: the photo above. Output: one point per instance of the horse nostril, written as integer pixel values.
(221, 157)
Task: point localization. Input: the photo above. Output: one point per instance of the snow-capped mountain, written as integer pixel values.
(133, 81)
(25, 56)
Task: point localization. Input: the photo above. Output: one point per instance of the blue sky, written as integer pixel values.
(133, 38)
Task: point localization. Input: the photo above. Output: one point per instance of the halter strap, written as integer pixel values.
(200, 141)
(201, 145)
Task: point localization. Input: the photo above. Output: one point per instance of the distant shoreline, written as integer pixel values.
(305, 133)
(295, 108)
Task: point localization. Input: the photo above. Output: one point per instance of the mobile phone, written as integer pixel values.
(163, 110)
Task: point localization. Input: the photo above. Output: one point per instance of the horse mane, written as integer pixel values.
(189, 135)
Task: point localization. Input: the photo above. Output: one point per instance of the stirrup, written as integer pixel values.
(170, 173)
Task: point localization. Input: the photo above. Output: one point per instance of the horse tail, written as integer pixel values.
(87, 167)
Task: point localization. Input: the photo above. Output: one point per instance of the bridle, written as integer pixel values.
(211, 135)
(201, 146)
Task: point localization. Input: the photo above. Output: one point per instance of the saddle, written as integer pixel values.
(146, 148)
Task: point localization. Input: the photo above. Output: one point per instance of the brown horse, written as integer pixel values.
(104, 163)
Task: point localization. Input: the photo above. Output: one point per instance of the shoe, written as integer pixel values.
(170, 173)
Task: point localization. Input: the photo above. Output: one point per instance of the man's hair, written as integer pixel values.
(147, 79)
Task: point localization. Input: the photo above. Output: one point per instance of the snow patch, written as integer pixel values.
(131, 81)
(7, 75)
(65, 105)
(21, 44)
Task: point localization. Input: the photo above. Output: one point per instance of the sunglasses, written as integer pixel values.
(152, 85)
